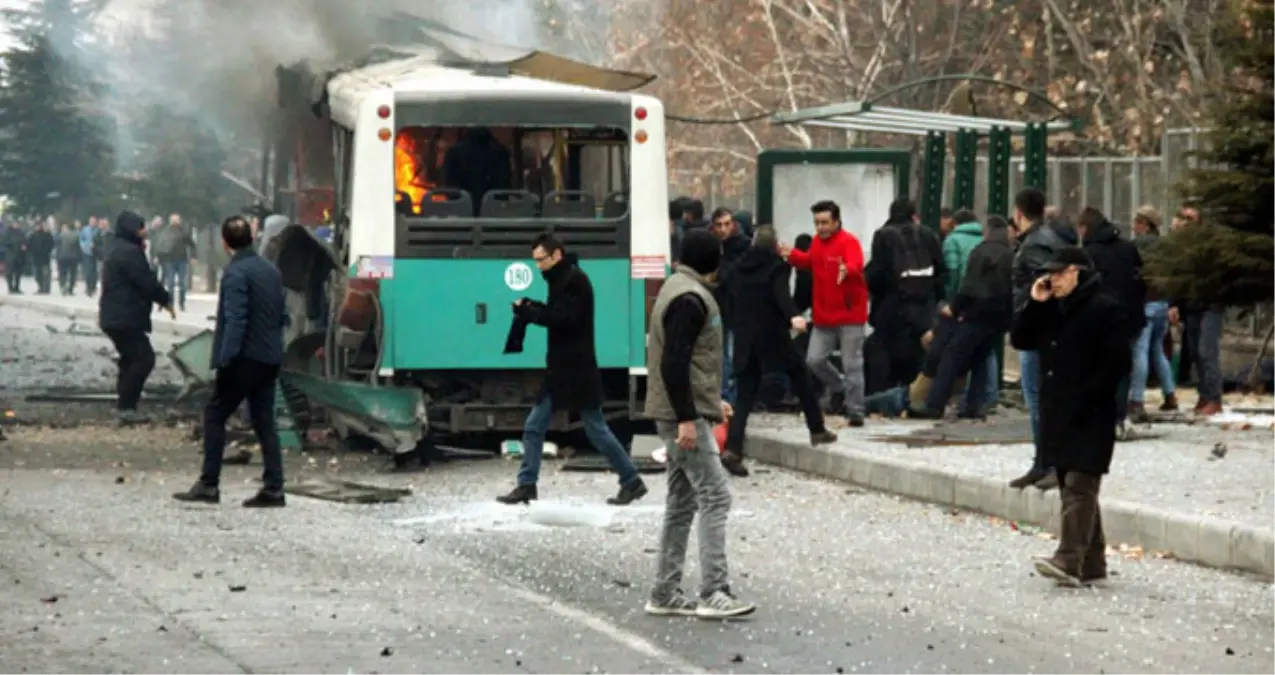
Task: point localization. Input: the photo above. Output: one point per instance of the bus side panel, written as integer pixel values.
(637, 323)
(456, 314)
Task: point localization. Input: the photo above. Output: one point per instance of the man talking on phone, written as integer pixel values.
(1084, 355)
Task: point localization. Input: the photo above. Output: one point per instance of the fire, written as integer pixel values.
(409, 172)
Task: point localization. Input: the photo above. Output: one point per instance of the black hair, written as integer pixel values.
(677, 207)
(695, 208)
(902, 209)
(701, 251)
(765, 237)
(946, 212)
(236, 233)
(719, 212)
(827, 206)
(1031, 202)
(1090, 219)
(965, 216)
(803, 242)
(996, 224)
(549, 243)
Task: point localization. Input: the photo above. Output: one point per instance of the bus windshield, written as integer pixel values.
(511, 172)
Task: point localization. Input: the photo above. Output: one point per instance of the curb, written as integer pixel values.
(1199, 539)
(167, 328)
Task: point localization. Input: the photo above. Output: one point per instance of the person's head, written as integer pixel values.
(1190, 213)
(693, 211)
(156, 222)
(1029, 208)
(66, 227)
(963, 216)
(702, 252)
(103, 223)
(92, 221)
(174, 219)
(1065, 270)
(1146, 220)
(827, 218)
(236, 235)
(1090, 220)
(948, 220)
(723, 223)
(765, 237)
(903, 210)
(803, 242)
(997, 229)
(547, 251)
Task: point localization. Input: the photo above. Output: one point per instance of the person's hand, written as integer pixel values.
(686, 435)
(798, 324)
(946, 311)
(1042, 290)
(1174, 316)
(785, 250)
(727, 411)
(927, 338)
(842, 271)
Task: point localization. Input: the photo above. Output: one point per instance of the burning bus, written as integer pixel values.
(436, 166)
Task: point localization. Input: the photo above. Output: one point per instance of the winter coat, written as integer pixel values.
(1119, 266)
(903, 298)
(1036, 247)
(573, 379)
(986, 295)
(956, 250)
(733, 249)
(69, 245)
(14, 242)
(833, 303)
(760, 283)
(1146, 243)
(40, 246)
(129, 287)
(1081, 364)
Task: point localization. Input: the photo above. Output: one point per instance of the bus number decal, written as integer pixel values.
(518, 277)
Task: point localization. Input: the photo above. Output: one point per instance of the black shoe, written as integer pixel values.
(628, 494)
(924, 414)
(824, 437)
(733, 462)
(128, 418)
(523, 494)
(266, 499)
(854, 420)
(199, 493)
(1028, 479)
(974, 414)
(1049, 482)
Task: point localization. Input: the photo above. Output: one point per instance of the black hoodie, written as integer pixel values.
(129, 287)
(1119, 265)
(760, 283)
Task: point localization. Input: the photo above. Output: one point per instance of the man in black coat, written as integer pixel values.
(1119, 267)
(247, 352)
(734, 246)
(129, 288)
(1068, 322)
(572, 381)
(15, 255)
(763, 342)
(40, 247)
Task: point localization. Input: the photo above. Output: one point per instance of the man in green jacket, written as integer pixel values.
(967, 234)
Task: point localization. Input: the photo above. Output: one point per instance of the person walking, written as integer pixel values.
(68, 257)
(572, 378)
(175, 252)
(764, 345)
(124, 311)
(247, 353)
(1150, 349)
(684, 397)
(840, 306)
(15, 255)
(40, 247)
(1068, 323)
(90, 255)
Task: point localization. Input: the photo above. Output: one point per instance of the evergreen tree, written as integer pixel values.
(1230, 258)
(57, 156)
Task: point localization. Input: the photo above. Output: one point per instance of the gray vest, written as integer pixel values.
(706, 358)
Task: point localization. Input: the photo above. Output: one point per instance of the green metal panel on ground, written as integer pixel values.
(455, 314)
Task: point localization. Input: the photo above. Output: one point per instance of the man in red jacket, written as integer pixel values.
(840, 306)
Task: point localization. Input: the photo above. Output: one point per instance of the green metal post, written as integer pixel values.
(999, 149)
(1036, 142)
(966, 165)
(935, 168)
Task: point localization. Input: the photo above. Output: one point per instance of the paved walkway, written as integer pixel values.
(200, 310)
(1169, 492)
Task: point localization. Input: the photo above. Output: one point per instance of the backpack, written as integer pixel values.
(913, 262)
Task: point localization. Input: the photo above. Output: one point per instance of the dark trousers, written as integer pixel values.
(1082, 545)
(137, 360)
(749, 385)
(254, 382)
(68, 270)
(13, 275)
(892, 358)
(43, 273)
(90, 274)
(969, 345)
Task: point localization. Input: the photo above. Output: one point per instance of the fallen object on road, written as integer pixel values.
(347, 492)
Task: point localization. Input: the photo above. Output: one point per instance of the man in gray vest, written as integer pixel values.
(684, 397)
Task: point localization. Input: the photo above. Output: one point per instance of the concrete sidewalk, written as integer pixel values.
(1167, 494)
(200, 310)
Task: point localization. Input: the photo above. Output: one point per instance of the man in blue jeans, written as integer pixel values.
(572, 381)
(1040, 243)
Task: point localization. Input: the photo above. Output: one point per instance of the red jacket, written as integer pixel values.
(835, 304)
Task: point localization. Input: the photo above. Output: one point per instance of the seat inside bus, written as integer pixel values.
(509, 204)
(615, 205)
(444, 203)
(569, 204)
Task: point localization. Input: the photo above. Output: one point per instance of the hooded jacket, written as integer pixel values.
(956, 251)
(906, 276)
(129, 287)
(1119, 266)
(986, 295)
(760, 283)
(835, 302)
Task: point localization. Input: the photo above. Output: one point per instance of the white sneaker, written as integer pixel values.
(723, 605)
(677, 605)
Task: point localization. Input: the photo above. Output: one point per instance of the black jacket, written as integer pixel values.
(892, 308)
(986, 295)
(15, 245)
(251, 314)
(573, 380)
(1119, 265)
(129, 287)
(760, 283)
(733, 249)
(1081, 364)
(40, 246)
(1037, 246)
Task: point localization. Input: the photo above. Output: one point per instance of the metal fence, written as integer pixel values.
(713, 189)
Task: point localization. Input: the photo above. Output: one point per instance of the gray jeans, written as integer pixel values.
(696, 482)
(1205, 340)
(849, 341)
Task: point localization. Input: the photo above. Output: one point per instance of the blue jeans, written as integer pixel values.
(595, 428)
(991, 390)
(89, 265)
(1149, 351)
(1029, 370)
(175, 274)
(729, 387)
